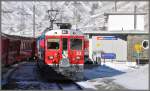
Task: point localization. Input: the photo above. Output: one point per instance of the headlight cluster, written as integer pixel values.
(78, 58)
(51, 57)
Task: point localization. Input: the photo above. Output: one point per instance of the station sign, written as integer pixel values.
(138, 47)
(108, 55)
(106, 38)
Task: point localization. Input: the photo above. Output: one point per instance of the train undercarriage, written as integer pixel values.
(71, 71)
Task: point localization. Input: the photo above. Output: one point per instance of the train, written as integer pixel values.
(63, 50)
(16, 49)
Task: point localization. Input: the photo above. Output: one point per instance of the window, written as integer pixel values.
(76, 44)
(145, 44)
(53, 43)
(120, 22)
(125, 22)
(140, 23)
(65, 43)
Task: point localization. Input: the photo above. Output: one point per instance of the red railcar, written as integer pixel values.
(15, 49)
(4, 49)
(59, 47)
(63, 50)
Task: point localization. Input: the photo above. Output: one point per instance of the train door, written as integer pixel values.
(76, 50)
(64, 61)
(52, 50)
(65, 47)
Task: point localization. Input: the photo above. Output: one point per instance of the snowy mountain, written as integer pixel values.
(17, 16)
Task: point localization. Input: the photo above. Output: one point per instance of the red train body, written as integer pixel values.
(75, 56)
(57, 46)
(15, 49)
(63, 50)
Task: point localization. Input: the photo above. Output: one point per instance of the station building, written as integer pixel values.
(125, 38)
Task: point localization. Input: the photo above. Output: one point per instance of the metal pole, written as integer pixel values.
(135, 17)
(138, 58)
(75, 13)
(34, 43)
(115, 5)
(52, 24)
(51, 20)
(34, 21)
(76, 16)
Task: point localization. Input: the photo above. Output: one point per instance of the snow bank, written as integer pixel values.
(117, 66)
(87, 85)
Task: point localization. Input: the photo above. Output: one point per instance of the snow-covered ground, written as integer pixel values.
(114, 76)
(137, 79)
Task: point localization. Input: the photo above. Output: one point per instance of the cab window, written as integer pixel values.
(53, 43)
(76, 44)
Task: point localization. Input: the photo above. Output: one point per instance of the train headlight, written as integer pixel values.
(78, 58)
(51, 57)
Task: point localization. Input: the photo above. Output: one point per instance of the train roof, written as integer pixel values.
(15, 37)
(65, 32)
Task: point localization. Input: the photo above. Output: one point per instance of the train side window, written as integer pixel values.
(22, 45)
(76, 44)
(145, 44)
(25, 45)
(53, 43)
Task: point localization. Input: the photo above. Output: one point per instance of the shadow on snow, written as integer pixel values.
(99, 71)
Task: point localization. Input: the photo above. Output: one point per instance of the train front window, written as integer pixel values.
(65, 43)
(76, 44)
(53, 43)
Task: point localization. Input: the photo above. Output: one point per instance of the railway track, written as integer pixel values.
(27, 77)
(36, 85)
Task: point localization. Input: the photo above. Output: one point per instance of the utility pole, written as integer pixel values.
(61, 19)
(33, 21)
(34, 42)
(75, 13)
(115, 5)
(135, 18)
(22, 18)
